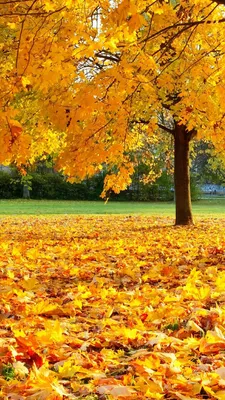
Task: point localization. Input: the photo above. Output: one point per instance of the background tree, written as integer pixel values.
(207, 165)
(104, 73)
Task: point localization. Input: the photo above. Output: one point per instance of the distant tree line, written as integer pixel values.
(42, 182)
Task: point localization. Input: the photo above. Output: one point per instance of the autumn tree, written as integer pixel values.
(110, 74)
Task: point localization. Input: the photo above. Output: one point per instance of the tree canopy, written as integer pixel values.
(94, 80)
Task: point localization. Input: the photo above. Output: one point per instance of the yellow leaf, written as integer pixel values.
(29, 283)
(78, 304)
(10, 274)
(220, 395)
(32, 253)
(43, 384)
(11, 25)
(158, 11)
(16, 252)
(49, 6)
(130, 333)
(53, 332)
(43, 307)
(68, 370)
(25, 81)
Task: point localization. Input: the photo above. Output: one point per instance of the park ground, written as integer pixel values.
(207, 207)
(102, 307)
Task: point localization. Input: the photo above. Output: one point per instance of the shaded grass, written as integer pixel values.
(211, 207)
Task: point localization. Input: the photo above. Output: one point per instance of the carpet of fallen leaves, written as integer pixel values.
(111, 307)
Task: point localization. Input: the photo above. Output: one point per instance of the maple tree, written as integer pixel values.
(111, 307)
(93, 81)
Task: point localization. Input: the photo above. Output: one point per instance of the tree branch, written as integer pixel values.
(38, 14)
(146, 122)
(108, 56)
(171, 131)
(21, 32)
(184, 25)
(11, 2)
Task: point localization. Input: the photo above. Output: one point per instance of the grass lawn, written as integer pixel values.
(209, 207)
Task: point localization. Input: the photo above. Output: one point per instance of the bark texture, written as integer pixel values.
(182, 175)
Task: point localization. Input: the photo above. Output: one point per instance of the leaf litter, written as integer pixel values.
(111, 307)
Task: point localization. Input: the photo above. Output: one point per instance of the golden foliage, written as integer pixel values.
(97, 70)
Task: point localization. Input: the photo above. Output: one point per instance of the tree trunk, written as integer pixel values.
(182, 175)
(26, 192)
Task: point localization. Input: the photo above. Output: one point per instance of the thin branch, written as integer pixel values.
(11, 2)
(95, 133)
(100, 129)
(20, 37)
(178, 56)
(171, 131)
(21, 32)
(5, 94)
(32, 45)
(149, 6)
(108, 56)
(146, 122)
(51, 43)
(38, 14)
(149, 31)
(107, 89)
(13, 138)
(186, 25)
(148, 34)
(199, 59)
